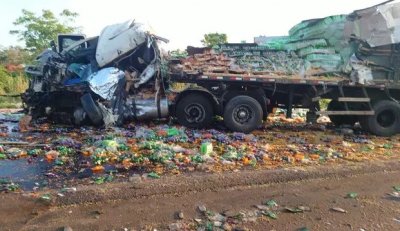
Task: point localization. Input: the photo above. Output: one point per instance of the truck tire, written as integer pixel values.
(339, 120)
(385, 121)
(195, 111)
(243, 114)
(91, 109)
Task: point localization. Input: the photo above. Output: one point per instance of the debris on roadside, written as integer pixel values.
(153, 175)
(303, 229)
(7, 185)
(180, 215)
(352, 195)
(294, 209)
(67, 228)
(202, 208)
(394, 194)
(396, 188)
(337, 209)
(270, 214)
(271, 203)
(153, 150)
(175, 227)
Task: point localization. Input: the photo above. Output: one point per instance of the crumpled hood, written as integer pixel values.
(119, 39)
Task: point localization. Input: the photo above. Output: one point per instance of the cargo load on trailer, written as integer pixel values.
(351, 46)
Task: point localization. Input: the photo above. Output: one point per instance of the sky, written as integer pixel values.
(184, 22)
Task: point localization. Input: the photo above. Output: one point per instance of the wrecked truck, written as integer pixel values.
(100, 80)
(352, 60)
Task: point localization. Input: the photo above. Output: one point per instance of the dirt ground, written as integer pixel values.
(153, 204)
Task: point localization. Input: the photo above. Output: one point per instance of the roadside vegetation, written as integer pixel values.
(13, 81)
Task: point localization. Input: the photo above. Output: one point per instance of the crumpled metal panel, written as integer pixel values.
(109, 118)
(105, 82)
(360, 73)
(147, 74)
(378, 25)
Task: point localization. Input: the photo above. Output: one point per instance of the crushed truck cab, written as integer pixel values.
(101, 80)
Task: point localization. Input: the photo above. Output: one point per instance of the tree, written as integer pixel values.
(213, 39)
(3, 55)
(178, 54)
(38, 31)
(14, 55)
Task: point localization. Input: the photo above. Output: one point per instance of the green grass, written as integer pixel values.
(10, 102)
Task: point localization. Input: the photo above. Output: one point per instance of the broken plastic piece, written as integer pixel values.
(206, 148)
(153, 175)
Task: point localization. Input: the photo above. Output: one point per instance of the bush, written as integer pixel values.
(12, 83)
(10, 102)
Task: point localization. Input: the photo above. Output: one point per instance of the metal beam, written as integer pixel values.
(345, 113)
(353, 99)
(316, 99)
(290, 102)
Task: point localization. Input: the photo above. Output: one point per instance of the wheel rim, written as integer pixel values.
(242, 114)
(386, 118)
(195, 113)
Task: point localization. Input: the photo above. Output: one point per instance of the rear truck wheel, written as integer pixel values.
(91, 109)
(385, 121)
(339, 120)
(195, 111)
(243, 114)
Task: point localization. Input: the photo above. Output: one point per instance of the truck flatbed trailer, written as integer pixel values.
(263, 79)
(350, 102)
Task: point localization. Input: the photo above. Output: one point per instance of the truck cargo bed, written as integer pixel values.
(185, 77)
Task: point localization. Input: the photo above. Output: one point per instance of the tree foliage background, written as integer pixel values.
(213, 39)
(38, 31)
